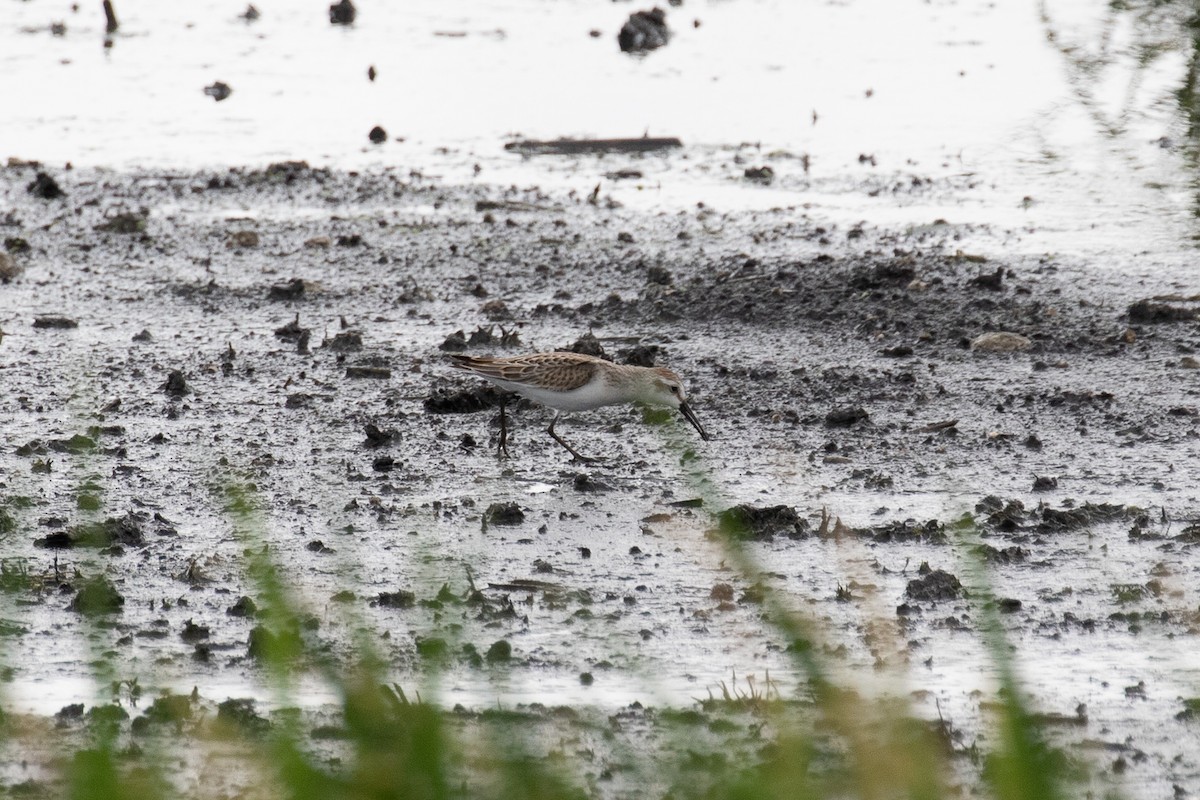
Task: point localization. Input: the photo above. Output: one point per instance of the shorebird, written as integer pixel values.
(575, 382)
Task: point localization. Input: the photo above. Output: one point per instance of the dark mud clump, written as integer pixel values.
(112, 532)
(1147, 312)
(176, 384)
(399, 599)
(45, 187)
(587, 484)
(751, 522)
(342, 13)
(54, 322)
(907, 530)
(290, 290)
(465, 401)
(98, 596)
(1087, 514)
(218, 90)
(503, 514)
(377, 437)
(239, 713)
(845, 417)
(244, 607)
(933, 585)
(1006, 516)
(644, 31)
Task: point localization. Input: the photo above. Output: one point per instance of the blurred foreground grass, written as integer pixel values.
(745, 740)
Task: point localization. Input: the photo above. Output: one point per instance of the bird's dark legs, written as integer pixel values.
(571, 450)
(503, 451)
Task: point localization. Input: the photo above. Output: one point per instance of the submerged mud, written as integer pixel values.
(254, 392)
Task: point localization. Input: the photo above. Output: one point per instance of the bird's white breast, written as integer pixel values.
(593, 394)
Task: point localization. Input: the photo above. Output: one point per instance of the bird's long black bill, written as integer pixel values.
(686, 410)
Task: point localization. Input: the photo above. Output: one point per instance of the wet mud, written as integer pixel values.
(210, 377)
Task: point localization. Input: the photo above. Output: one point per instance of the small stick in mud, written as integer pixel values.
(643, 144)
(568, 382)
(110, 18)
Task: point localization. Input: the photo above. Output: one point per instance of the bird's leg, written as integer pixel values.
(503, 449)
(571, 450)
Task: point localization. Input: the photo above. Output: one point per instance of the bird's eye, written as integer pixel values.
(674, 389)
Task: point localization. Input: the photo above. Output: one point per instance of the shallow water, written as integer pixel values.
(1051, 124)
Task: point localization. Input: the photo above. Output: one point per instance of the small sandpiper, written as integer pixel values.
(576, 382)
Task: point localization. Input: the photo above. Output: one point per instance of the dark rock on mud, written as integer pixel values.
(263, 643)
(499, 652)
(377, 135)
(845, 417)
(1001, 515)
(362, 371)
(171, 709)
(503, 514)
(75, 445)
(193, 633)
(45, 187)
(588, 345)
(934, 585)
(218, 90)
(383, 464)
(907, 530)
(239, 713)
(659, 276)
(1148, 312)
(176, 384)
(762, 174)
(1001, 342)
(98, 596)
(586, 483)
(487, 336)
(292, 331)
(242, 240)
(465, 401)
(400, 599)
(72, 711)
(1045, 483)
(9, 269)
(752, 522)
(125, 531)
(1009, 555)
(54, 322)
(345, 342)
(58, 540)
(1087, 514)
(639, 356)
(244, 607)
(16, 244)
(292, 290)
(433, 647)
(1008, 605)
(454, 343)
(377, 437)
(644, 31)
(342, 13)
(126, 222)
(992, 281)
